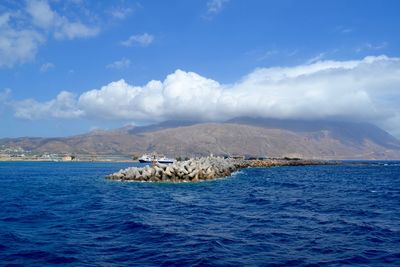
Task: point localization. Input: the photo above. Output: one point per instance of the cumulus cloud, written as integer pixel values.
(362, 90)
(144, 39)
(119, 64)
(63, 106)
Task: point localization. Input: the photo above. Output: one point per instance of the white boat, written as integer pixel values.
(145, 159)
(153, 158)
(165, 160)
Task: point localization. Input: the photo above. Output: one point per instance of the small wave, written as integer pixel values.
(132, 225)
(252, 198)
(62, 260)
(353, 260)
(41, 256)
(10, 238)
(343, 215)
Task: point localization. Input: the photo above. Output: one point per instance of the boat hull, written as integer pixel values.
(165, 161)
(159, 161)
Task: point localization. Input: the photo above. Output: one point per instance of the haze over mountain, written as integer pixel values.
(240, 136)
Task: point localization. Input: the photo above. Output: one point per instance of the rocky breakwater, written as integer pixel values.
(287, 162)
(201, 169)
(185, 171)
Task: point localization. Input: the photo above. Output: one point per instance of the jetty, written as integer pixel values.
(201, 169)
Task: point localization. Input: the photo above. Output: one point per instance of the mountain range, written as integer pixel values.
(241, 136)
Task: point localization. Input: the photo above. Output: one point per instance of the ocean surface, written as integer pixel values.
(68, 214)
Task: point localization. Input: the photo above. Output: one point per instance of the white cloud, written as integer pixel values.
(366, 90)
(144, 39)
(22, 32)
(344, 29)
(63, 106)
(119, 64)
(17, 45)
(370, 46)
(215, 6)
(316, 58)
(267, 54)
(44, 17)
(5, 95)
(72, 30)
(392, 124)
(347, 30)
(4, 18)
(46, 67)
(121, 12)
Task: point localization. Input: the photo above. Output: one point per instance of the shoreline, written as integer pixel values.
(70, 161)
(75, 160)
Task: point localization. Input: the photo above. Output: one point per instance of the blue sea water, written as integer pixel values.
(68, 214)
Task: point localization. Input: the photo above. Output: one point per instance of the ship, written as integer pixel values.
(154, 158)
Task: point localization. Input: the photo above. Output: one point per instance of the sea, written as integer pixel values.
(68, 214)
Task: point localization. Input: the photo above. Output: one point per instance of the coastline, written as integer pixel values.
(60, 158)
(67, 161)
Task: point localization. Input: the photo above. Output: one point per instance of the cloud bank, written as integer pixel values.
(362, 90)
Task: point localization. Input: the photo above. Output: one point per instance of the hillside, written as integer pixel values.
(242, 136)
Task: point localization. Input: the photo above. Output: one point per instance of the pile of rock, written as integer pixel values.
(287, 162)
(191, 170)
(200, 169)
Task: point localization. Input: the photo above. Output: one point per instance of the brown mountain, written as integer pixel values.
(241, 136)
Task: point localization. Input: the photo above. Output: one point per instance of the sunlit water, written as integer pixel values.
(67, 213)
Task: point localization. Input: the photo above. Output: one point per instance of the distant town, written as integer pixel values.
(19, 154)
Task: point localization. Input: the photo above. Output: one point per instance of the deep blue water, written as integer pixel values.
(67, 213)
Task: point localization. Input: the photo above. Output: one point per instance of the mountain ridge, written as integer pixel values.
(240, 136)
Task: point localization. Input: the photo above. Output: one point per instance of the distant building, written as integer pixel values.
(68, 158)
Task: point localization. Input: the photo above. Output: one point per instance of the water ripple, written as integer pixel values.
(68, 214)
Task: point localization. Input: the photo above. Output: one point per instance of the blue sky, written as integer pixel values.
(70, 66)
